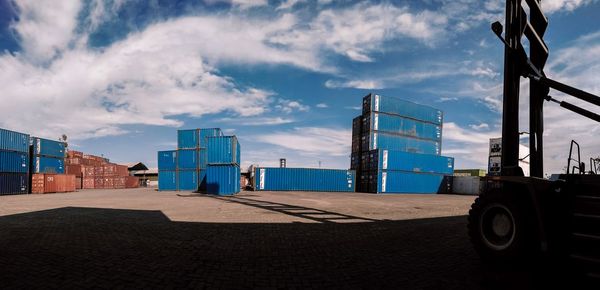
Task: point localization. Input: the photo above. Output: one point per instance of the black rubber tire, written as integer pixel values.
(521, 246)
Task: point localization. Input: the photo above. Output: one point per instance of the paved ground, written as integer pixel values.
(141, 238)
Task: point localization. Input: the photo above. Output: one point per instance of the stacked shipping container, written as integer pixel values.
(14, 162)
(396, 146)
(223, 170)
(95, 172)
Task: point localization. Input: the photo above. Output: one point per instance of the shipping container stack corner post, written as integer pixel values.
(396, 147)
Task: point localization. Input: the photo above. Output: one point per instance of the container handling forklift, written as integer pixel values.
(518, 218)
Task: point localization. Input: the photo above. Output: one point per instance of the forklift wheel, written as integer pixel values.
(499, 227)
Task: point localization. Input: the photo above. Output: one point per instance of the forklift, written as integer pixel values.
(518, 218)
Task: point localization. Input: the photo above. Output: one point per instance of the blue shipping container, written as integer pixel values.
(14, 183)
(392, 181)
(187, 139)
(187, 159)
(223, 150)
(42, 164)
(167, 160)
(167, 180)
(50, 148)
(14, 141)
(377, 140)
(13, 161)
(187, 180)
(406, 161)
(402, 126)
(206, 133)
(223, 179)
(304, 179)
(377, 103)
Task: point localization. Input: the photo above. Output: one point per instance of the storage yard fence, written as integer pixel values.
(37, 165)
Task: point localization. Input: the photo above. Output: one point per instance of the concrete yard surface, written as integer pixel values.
(142, 238)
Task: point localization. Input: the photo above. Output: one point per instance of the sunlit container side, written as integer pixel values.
(401, 126)
(14, 161)
(223, 150)
(304, 179)
(42, 164)
(377, 140)
(222, 179)
(206, 133)
(393, 181)
(202, 180)
(202, 158)
(13, 141)
(377, 103)
(51, 183)
(399, 160)
(99, 182)
(167, 160)
(187, 159)
(167, 180)
(187, 139)
(187, 180)
(14, 183)
(88, 183)
(49, 148)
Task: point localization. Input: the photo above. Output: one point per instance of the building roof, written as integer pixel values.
(138, 167)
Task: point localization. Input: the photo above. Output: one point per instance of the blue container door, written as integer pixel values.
(167, 160)
(187, 139)
(187, 159)
(223, 150)
(13, 141)
(223, 179)
(44, 164)
(167, 180)
(13, 161)
(187, 180)
(14, 183)
(48, 148)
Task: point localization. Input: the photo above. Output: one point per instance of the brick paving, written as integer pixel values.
(142, 238)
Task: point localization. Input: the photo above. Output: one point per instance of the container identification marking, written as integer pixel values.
(262, 179)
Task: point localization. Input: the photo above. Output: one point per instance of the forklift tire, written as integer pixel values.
(501, 229)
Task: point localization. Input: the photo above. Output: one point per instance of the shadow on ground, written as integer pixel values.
(85, 247)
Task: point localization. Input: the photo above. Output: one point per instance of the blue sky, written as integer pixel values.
(287, 77)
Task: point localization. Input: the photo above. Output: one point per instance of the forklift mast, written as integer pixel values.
(518, 64)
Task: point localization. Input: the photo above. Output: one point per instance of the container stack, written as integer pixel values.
(95, 172)
(202, 155)
(48, 167)
(14, 162)
(396, 147)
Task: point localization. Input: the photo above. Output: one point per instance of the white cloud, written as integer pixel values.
(312, 140)
(322, 105)
(257, 121)
(287, 4)
(480, 126)
(241, 4)
(447, 99)
(469, 147)
(357, 84)
(289, 106)
(551, 6)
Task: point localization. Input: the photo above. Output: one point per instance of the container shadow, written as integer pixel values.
(77, 247)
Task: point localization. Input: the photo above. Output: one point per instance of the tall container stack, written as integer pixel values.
(14, 162)
(96, 172)
(48, 156)
(223, 165)
(396, 147)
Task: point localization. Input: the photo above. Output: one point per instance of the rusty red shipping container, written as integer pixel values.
(73, 161)
(110, 170)
(49, 183)
(88, 171)
(78, 182)
(122, 170)
(132, 182)
(74, 154)
(119, 182)
(88, 183)
(76, 170)
(99, 171)
(109, 182)
(99, 182)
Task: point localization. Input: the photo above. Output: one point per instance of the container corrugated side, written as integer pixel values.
(378, 103)
(49, 148)
(42, 164)
(377, 140)
(406, 161)
(187, 180)
(187, 139)
(14, 141)
(223, 179)
(392, 181)
(167, 160)
(187, 159)
(167, 180)
(14, 183)
(223, 150)
(401, 126)
(206, 133)
(14, 161)
(304, 179)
